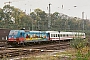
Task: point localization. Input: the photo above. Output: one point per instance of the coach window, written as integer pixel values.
(56, 35)
(75, 34)
(63, 35)
(67, 35)
(52, 35)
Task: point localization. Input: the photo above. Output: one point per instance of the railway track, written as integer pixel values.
(12, 52)
(55, 46)
(3, 43)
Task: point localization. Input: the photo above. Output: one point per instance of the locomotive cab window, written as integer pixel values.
(21, 34)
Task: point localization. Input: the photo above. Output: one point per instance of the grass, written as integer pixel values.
(69, 54)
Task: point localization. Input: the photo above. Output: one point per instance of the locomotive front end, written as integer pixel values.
(16, 37)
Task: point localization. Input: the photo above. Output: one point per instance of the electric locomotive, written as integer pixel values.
(24, 36)
(16, 37)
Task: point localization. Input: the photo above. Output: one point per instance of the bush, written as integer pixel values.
(78, 43)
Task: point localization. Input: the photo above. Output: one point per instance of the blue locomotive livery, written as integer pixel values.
(22, 36)
(16, 36)
(36, 36)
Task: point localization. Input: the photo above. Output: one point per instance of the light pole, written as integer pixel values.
(59, 36)
(32, 24)
(38, 26)
(49, 18)
(83, 20)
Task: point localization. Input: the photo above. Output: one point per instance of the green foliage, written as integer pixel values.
(81, 56)
(78, 43)
(11, 17)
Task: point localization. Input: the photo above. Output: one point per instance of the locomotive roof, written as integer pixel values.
(38, 31)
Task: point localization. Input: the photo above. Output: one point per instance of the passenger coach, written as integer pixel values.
(65, 35)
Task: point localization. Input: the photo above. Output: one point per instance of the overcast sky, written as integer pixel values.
(56, 6)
